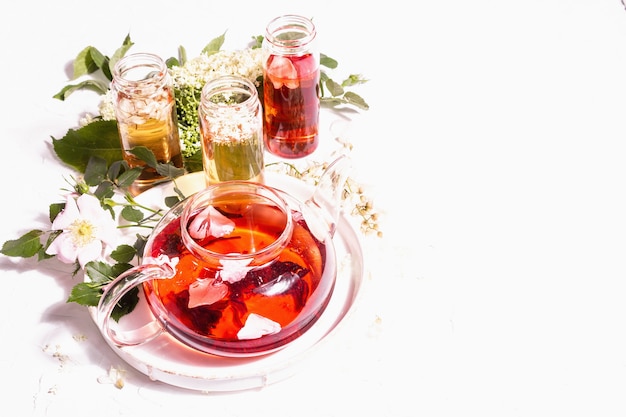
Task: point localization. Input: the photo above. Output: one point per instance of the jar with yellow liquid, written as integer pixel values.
(231, 127)
(145, 110)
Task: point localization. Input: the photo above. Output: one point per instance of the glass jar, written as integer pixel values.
(291, 92)
(145, 110)
(231, 128)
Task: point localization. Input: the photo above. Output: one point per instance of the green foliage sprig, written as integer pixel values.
(94, 151)
(90, 61)
(103, 180)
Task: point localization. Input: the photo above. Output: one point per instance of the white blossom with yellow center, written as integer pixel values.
(87, 230)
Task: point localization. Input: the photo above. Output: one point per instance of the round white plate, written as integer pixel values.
(167, 360)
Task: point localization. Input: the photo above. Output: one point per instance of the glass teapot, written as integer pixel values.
(239, 269)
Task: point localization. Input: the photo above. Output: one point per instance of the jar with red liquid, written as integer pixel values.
(291, 93)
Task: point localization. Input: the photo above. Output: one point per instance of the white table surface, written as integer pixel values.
(493, 149)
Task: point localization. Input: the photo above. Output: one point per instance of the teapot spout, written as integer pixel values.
(328, 193)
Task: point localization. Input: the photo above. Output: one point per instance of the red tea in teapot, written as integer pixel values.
(239, 301)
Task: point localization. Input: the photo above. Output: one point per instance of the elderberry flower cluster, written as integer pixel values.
(189, 78)
(196, 72)
(353, 193)
(106, 110)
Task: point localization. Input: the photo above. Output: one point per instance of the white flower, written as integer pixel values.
(86, 227)
(210, 222)
(86, 119)
(107, 106)
(206, 291)
(247, 63)
(156, 105)
(162, 260)
(115, 376)
(257, 326)
(282, 71)
(234, 270)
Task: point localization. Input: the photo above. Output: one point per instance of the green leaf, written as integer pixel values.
(99, 272)
(120, 268)
(193, 163)
(117, 55)
(86, 294)
(182, 55)
(104, 190)
(98, 86)
(26, 246)
(99, 138)
(169, 170)
(51, 236)
(145, 155)
(89, 294)
(323, 79)
(84, 63)
(334, 88)
(140, 244)
(132, 214)
(54, 210)
(177, 62)
(41, 255)
(128, 177)
(257, 42)
(171, 201)
(172, 62)
(115, 169)
(96, 171)
(328, 62)
(124, 253)
(100, 60)
(332, 102)
(126, 305)
(356, 100)
(215, 45)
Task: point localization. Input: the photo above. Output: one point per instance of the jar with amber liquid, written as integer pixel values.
(291, 93)
(231, 128)
(145, 110)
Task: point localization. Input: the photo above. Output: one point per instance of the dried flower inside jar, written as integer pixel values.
(231, 127)
(145, 111)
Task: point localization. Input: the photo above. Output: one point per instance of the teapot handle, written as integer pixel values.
(114, 292)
